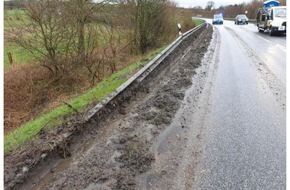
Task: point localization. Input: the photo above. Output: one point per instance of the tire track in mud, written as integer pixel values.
(178, 149)
(112, 152)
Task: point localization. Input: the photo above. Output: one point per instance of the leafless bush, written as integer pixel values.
(22, 96)
(62, 35)
(147, 21)
(46, 33)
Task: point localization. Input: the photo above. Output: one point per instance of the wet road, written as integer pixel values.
(270, 49)
(244, 137)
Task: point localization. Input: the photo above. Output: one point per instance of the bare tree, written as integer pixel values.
(197, 7)
(70, 35)
(147, 21)
(82, 13)
(209, 5)
(63, 35)
(253, 7)
(46, 33)
(283, 2)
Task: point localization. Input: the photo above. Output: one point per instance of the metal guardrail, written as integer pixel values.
(143, 73)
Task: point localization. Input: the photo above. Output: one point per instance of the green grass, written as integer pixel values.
(14, 18)
(55, 117)
(197, 21)
(19, 55)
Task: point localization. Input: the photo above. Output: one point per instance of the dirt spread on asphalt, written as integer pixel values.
(115, 148)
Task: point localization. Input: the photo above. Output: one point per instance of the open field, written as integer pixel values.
(14, 17)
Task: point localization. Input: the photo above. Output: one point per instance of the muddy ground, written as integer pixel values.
(119, 148)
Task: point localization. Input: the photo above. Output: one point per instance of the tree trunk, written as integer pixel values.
(81, 40)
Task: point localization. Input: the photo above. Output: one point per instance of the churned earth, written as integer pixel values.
(136, 142)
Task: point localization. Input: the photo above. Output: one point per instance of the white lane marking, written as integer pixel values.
(281, 47)
(264, 39)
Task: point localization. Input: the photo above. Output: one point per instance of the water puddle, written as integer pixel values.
(50, 175)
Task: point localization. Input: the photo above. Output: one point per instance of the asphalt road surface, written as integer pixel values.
(244, 137)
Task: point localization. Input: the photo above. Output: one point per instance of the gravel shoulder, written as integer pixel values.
(136, 142)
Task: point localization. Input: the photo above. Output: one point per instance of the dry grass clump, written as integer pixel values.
(28, 90)
(31, 89)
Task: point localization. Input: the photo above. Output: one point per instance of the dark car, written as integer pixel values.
(218, 19)
(241, 19)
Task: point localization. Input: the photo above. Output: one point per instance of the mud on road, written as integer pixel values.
(116, 148)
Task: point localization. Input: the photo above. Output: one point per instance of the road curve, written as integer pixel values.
(271, 50)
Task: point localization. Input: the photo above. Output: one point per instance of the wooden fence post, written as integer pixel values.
(10, 58)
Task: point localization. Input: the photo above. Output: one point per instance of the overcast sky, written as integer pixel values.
(202, 3)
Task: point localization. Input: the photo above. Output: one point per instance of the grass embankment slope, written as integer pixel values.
(55, 117)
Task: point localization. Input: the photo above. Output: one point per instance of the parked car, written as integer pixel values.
(241, 19)
(272, 19)
(218, 19)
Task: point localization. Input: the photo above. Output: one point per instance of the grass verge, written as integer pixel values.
(55, 117)
(197, 21)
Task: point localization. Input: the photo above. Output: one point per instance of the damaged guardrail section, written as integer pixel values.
(108, 104)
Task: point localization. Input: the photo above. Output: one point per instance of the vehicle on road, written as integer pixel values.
(218, 19)
(271, 18)
(241, 19)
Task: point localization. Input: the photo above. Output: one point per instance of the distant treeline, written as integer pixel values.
(231, 11)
